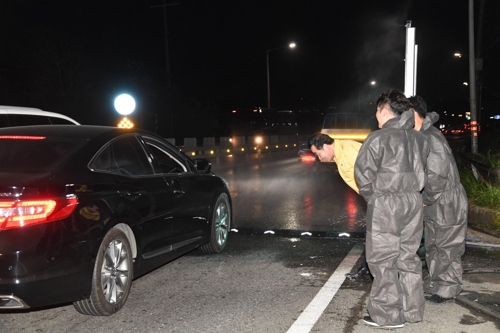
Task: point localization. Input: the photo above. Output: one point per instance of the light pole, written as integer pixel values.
(472, 80)
(291, 45)
(475, 66)
(362, 87)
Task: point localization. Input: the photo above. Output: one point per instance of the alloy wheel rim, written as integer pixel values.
(115, 272)
(221, 224)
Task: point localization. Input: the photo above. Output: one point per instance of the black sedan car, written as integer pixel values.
(86, 209)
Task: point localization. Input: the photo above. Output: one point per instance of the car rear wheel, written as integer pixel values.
(112, 276)
(221, 222)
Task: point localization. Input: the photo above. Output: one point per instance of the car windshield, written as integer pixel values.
(32, 153)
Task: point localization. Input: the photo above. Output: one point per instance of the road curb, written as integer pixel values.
(482, 218)
(464, 301)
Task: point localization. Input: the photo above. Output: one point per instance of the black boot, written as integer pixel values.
(362, 275)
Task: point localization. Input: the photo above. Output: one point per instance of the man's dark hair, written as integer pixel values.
(319, 139)
(419, 105)
(394, 100)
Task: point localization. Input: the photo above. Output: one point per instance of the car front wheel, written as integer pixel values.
(112, 277)
(220, 224)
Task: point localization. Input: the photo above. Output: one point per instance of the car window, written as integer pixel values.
(124, 156)
(164, 157)
(104, 161)
(27, 120)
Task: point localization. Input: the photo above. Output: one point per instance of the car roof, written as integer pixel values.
(78, 132)
(6, 109)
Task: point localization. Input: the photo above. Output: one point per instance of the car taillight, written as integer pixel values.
(21, 137)
(23, 213)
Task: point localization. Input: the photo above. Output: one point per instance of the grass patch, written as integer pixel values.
(493, 158)
(481, 193)
(494, 227)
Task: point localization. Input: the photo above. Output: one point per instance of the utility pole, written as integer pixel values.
(167, 60)
(479, 62)
(167, 65)
(472, 80)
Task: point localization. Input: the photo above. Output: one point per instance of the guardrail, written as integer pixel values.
(481, 171)
(226, 146)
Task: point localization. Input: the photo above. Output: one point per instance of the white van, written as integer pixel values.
(21, 116)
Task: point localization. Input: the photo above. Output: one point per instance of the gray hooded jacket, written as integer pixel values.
(442, 172)
(445, 215)
(390, 171)
(384, 166)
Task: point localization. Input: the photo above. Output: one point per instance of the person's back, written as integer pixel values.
(400, 167)
(440, 161)
(445, 216)
(345, 156)
(390, 171)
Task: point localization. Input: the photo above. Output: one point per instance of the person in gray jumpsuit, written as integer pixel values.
(445, 211)
(390, 171)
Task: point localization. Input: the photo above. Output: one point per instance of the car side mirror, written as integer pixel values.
(203, 166)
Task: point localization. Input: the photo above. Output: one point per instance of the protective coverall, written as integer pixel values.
(390, 171)
(346, 152)
(445, 215)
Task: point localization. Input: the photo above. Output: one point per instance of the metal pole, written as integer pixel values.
(291, 45)
(415, 71)
(472, 80)
(167, 61)
(169, 113)
(167, 68)
(410, 61)
(268, 86)
(479, 62)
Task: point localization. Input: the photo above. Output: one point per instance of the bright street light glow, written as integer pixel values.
(291, 45)
(373, 83)
(458, 55)
(124, 104)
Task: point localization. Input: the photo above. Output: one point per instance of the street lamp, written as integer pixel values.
(361, 87)
(475, 89)
(291, 45)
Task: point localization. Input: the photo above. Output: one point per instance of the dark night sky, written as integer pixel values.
(75, 57)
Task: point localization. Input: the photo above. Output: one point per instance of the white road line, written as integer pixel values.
(315, 309)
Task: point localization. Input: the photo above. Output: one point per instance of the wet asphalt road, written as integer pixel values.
(279, 192)
(263, 282)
